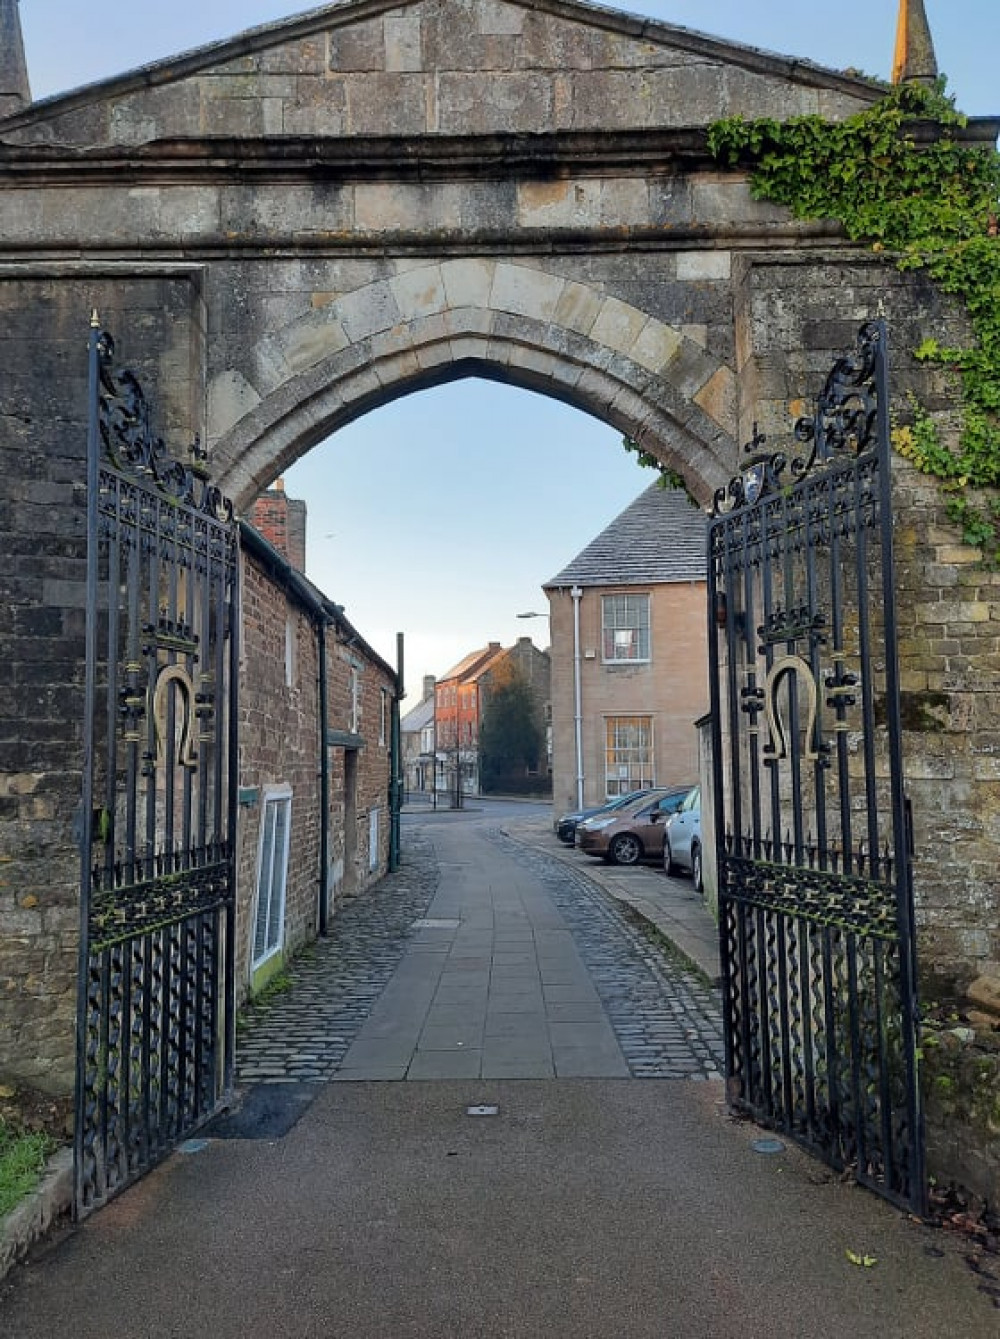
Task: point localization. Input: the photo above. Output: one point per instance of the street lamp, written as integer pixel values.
(576, 594)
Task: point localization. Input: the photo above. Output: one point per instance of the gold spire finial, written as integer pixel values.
(914, 60)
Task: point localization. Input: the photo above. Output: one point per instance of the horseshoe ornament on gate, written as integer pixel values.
(187, 756)
(777, 745)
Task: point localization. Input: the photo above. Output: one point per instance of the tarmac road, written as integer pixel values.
(592, 1207)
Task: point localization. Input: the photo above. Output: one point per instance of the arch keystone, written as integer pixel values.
(468, 283)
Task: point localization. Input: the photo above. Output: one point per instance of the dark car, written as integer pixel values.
(635, 831)
(567, 824)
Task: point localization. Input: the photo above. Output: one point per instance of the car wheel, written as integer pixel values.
(625, 849)
(670, 865)
(696, 867)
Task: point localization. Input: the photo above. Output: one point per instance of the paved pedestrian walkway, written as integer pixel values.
(484, 958)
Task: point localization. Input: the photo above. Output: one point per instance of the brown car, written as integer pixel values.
(634, 832)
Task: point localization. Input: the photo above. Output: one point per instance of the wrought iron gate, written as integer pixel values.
(812, 831)
(155, 1022)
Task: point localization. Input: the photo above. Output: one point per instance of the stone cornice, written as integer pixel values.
(389, 158)
(429, 158)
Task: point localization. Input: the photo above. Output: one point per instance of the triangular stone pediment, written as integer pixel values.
(377, 68)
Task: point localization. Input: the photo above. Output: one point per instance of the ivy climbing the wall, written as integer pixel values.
(898, 177)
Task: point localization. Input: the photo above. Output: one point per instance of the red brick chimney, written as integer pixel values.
(282, 522)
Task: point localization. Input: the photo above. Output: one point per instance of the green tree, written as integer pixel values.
(511, 740)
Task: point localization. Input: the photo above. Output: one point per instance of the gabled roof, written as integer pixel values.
(467, 667)
(421, 715)
(645, 34)
(660, 537)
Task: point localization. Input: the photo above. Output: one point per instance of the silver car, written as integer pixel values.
(682, 839)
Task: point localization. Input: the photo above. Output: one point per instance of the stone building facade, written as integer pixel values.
(628, 627)
(418, 744)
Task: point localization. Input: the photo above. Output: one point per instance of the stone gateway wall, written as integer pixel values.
(292, 228)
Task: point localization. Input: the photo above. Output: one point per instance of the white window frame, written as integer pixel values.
(625, 629)
(271, 861)
(383, 732)
(636, 772)
(373, 829)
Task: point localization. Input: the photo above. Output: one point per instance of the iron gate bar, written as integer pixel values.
(155, 1022)
(815, 890)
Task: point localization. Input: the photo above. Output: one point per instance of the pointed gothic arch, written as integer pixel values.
(443, 320)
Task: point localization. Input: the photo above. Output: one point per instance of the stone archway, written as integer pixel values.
(295, 226)
(439, 321)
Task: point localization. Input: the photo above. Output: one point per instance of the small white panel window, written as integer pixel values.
(272, 874)
(373, 840)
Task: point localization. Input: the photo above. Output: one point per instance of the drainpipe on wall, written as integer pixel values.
(324, 781)
(576, 594)
(395, 762)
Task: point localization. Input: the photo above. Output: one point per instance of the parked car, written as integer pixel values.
(682, 839)
(566, 824)
(635, 831)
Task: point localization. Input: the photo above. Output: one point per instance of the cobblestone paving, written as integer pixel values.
(667, 1019)
(304, 1033)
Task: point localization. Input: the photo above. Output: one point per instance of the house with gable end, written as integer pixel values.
(629, 653)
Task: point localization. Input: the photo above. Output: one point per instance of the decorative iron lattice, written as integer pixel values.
(156, 1021)
(812, 833)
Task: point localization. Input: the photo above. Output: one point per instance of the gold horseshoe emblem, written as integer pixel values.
(777, 746)
(187, 757)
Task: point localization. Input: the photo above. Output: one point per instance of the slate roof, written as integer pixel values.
(659, 537)
(468, 666)
(422, 714)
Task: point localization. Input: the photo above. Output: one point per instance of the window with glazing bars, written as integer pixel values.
(625, 624)
(628, 754)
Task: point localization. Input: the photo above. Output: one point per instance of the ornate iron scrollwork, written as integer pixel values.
(134, 448)
(843, 421)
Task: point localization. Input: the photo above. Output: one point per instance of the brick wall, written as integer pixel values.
(279, 748)
(280, 754)
(367, 768)
(282, 522)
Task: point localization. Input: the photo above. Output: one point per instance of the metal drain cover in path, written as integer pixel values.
(483, 1110)
(428, 923)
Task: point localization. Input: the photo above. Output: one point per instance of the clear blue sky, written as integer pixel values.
(464, 499)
